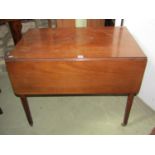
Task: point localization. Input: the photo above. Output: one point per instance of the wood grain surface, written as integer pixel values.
(115, 76)
(106, 42)
(76, 61)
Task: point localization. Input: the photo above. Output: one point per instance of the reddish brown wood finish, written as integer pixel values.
(16, 27)
(92, 76)
(62, 43)
(49, 23)
(77, 61)
(128, 108)
(153, 131)
(27, 110)
(62, 23)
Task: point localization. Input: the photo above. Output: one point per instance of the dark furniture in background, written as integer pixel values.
(110, 22)
(59, 23)
(16, 25)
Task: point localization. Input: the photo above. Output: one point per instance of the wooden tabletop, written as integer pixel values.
(67, 43)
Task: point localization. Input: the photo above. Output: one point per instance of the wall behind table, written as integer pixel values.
(144, 33)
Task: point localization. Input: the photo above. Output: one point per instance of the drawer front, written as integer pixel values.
(115, 76)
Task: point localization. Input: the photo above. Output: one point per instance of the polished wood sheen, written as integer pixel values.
(76, 77)
(62, 43)
(76, 61)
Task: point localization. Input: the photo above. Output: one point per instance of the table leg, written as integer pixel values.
(128, 108)
(26, 109)
(1, 112)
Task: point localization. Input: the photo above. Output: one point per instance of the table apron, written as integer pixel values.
(79, 77)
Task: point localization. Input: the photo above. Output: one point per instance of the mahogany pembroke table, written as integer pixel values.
(76, 61)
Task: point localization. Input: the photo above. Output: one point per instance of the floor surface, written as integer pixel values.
(72, 115)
